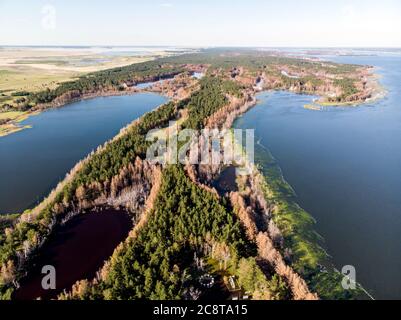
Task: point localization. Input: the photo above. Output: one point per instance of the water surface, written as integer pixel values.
(147, 85)
(34, 160)
(76, 251)
(345, 166)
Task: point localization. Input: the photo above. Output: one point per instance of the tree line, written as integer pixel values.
(208, 100)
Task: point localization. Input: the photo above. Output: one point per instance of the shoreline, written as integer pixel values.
(325, 263)
(364, 82)
(36, 208)
(378, 92)
(14, 124)
(59, 250)
(372, 82)
(10, 125)
(289, 215)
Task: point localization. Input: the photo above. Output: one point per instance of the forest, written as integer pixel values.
(156, 265)
(255, 61)
(204, 103)
(187, 224)
(347, 86)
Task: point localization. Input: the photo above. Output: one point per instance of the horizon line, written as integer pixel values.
(198, 47)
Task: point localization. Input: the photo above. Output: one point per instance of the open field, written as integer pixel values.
(27, 78)
(34, 69)
(10, 115)
(74, 59)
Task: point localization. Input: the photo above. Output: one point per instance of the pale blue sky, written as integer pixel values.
(201, 22)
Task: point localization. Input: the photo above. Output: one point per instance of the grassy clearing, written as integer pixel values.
(16, 116)
(338, 104)
(312, 107)
(10, 115)
(30, 79)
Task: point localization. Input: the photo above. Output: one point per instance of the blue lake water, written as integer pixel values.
(34, 160)
(345, 166)
(147, 85)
